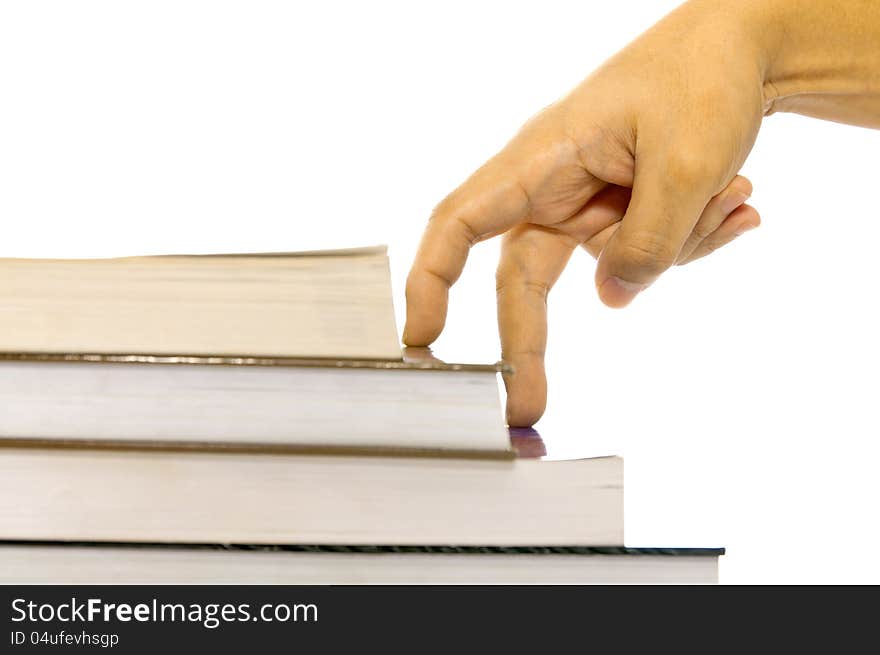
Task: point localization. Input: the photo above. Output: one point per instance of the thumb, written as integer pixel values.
(669, 194)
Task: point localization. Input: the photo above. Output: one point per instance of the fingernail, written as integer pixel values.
(615, 292)
(733, 200)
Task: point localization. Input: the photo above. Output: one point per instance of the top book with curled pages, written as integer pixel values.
(322, 304)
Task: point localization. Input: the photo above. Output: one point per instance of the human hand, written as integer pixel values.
(671, 117)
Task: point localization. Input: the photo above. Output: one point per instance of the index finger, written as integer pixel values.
(488, 203)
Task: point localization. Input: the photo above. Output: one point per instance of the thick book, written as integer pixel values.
(84, 563)
(257, 403)
(119, 495)
(334, 304)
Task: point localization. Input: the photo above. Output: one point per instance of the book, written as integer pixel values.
(136, 495)
(315, 405)
(40, 563)
(334, 304)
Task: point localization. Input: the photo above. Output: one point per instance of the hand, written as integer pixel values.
(675, 128)
(672, 117)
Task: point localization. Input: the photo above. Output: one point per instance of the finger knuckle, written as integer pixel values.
(743, 185)
(710, 246)
(701, 230)
(445, 209)
(685, 166)
(505, 281)
(449, 219)
(648, 253)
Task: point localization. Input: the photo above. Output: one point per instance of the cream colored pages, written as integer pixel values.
(310, 406)
(334, 304)
(86, 495)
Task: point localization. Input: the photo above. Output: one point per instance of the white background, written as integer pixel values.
(741, 389)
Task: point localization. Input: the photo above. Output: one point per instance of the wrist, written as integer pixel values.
(811, 50)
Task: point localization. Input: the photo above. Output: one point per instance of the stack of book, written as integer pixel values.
(250, 418)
